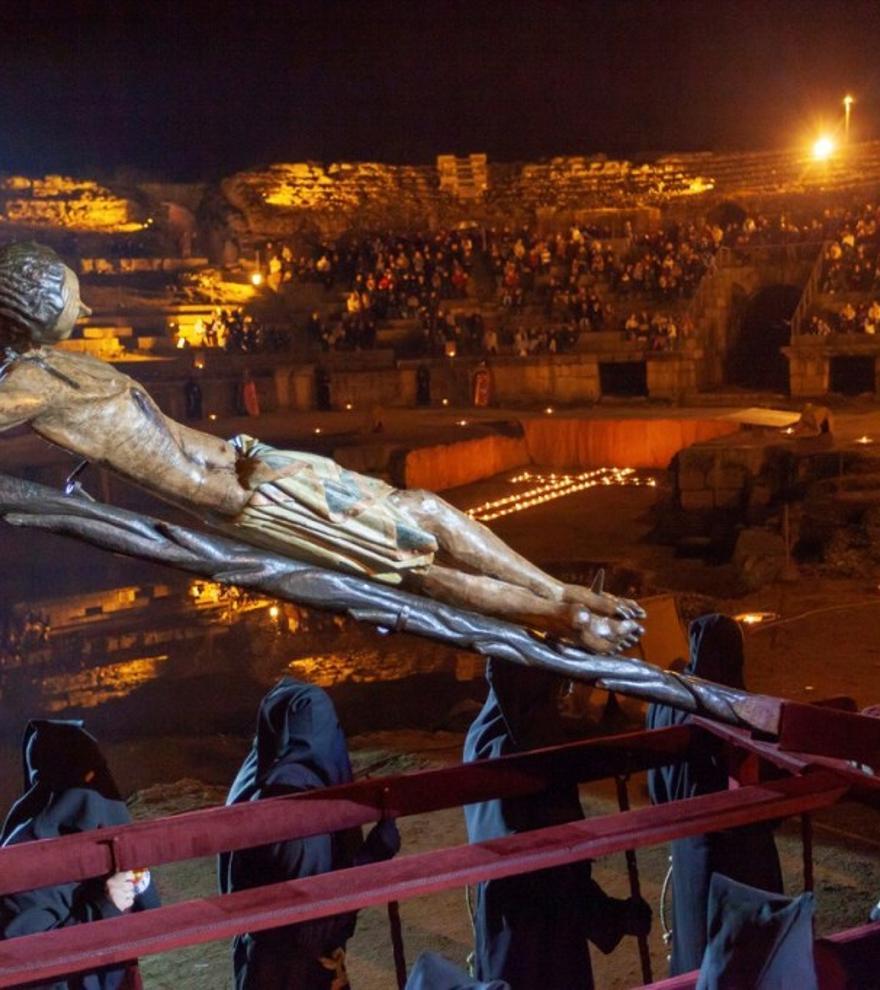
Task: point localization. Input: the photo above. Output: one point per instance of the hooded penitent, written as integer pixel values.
(532, 930)
(299, 746)
(68, 788)
(746, 854)
(433, 972)
(759, 940)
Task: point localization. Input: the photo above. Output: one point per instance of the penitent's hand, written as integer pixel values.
(119, 888)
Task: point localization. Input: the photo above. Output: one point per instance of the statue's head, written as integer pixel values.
(39, 296)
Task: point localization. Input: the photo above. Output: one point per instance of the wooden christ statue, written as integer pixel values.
(300, 505)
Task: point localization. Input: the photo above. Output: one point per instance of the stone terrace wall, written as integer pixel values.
(287, 199)
(60, 202)
(290, 199)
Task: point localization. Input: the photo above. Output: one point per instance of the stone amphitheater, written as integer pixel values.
(286, 199)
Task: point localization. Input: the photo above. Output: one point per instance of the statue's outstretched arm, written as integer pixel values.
(18, 406)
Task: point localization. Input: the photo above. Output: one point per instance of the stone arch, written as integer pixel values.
(754, 359)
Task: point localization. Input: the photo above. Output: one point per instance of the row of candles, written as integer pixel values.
(546, 487)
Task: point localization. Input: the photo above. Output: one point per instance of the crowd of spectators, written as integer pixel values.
(555, 286)
(344, 332)
(849, 319)
(657, 331)
(851, 262)
(667, 264)
(564, 270)
(234, 331)
(385, 275)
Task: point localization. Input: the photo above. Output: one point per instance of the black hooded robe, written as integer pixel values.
(747, 854)
(433, 972)
(757, 939)
(68, 789)
(299, 746)
(531, 930)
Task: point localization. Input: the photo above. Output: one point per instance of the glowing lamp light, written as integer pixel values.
(317, 430)
(257, 279)
(212, 416)
(755, 618)
(274, 612)
(788, 430)
(199, 363)
(348, 407)
(823, 148)
(549, 410)
(461, 422)
(864, 439)
(181, 343)
(445, 402)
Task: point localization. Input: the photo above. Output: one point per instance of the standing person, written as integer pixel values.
(69, 789)
(299, 746)
(423, 385)
(192, 393)
(249, 397)
(532, 930)
(482, 386)
(746, 854)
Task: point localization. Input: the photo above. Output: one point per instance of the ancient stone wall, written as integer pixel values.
(60, 202)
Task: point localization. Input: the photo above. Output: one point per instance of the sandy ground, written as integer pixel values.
(847, 872)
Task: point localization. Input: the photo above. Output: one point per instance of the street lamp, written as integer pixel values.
(847, 110)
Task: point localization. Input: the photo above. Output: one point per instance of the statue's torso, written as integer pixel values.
(107, 418)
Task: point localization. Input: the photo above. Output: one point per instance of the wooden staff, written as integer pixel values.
(635, 888)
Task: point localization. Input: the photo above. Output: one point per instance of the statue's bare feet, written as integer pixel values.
(602, 634)
(604, 604)
(600, 602)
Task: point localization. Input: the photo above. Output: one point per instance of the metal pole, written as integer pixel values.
(632, 868)
(397, 943)
(807, 847)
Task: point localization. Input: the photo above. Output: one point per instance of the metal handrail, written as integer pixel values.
(809, 293)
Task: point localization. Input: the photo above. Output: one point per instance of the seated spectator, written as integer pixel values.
(299, 746)
(532, 930)
(746, 854)
(70, 789)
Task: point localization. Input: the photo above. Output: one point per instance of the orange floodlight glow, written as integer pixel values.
(823, 148)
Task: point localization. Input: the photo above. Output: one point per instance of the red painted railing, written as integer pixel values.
(53, 954)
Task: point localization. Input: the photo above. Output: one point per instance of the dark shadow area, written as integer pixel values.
(851, 375)
(726, 213)
(755, 360)
(623, 378)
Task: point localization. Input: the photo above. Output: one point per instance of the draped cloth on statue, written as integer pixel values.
(317, 511)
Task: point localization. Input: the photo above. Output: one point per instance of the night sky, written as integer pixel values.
(189, 90)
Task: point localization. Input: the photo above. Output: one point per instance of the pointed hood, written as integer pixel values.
(299, 744)
(59, 757)
(716, 650)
